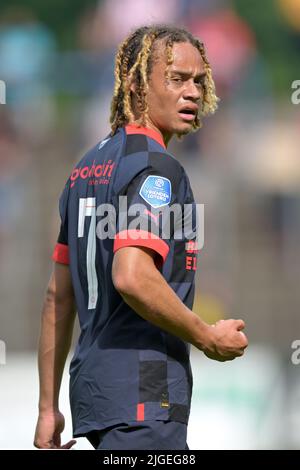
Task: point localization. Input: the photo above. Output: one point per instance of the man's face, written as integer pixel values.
(174, 97)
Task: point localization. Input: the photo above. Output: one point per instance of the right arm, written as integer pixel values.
(145, 290)
(55, 340)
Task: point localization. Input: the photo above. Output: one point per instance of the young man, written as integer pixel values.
(131, 381)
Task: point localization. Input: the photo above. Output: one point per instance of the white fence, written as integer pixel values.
(236, 405)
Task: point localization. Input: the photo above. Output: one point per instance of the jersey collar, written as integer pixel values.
(155, 135)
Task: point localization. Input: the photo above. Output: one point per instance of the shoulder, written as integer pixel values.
(145, 152)
(142, 156)
(165, 163)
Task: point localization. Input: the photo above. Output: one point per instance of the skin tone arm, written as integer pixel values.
(145, 290)
(58, 317)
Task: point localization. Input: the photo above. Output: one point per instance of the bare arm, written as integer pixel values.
(55, 340)
(143, 288)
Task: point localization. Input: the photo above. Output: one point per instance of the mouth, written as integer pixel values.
(188, 114)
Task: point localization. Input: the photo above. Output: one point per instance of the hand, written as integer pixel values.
(227, 341)
(49, 427)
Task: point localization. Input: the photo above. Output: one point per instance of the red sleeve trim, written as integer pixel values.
(141, 238)
(61, 254)
(140, 412)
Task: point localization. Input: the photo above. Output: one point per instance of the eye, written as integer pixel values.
(200, 81)
(176, 79)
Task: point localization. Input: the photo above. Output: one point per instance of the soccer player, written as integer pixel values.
(131, 283)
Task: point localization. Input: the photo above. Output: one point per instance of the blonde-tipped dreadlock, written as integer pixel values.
(134, 63)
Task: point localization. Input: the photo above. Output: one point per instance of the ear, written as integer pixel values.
(132, 87)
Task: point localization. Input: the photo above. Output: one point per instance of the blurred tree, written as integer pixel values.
(62, 16)
(277, 42)
(291, 12)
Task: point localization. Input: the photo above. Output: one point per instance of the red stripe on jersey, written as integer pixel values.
(155, 135)
(141, 238)
(140, 412)
(61, 253)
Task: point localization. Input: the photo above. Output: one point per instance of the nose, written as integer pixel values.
(193, 91)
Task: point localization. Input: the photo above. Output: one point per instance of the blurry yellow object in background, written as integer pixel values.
(210, 309)
(291, 12)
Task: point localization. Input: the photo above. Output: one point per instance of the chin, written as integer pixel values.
(184, 129)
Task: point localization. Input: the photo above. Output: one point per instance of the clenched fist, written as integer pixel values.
(226, 341)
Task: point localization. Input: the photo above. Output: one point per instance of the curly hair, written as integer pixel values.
(134, 62)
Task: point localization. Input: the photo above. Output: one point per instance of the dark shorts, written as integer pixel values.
(137, 435)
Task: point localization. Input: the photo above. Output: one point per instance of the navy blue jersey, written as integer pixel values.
(122, 193)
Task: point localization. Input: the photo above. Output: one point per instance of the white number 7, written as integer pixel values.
(87, 208)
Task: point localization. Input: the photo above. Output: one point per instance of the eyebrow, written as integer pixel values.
(183, 73)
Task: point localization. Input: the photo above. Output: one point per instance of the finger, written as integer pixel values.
(244, 336)
(229, 358)
(41, 445)
(69, 444)
(240, 324)
(44, 444)
(57, 439)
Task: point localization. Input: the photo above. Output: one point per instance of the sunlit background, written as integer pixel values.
(56, 59)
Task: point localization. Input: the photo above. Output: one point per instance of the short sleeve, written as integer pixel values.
(149, 209)
(61, 249)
